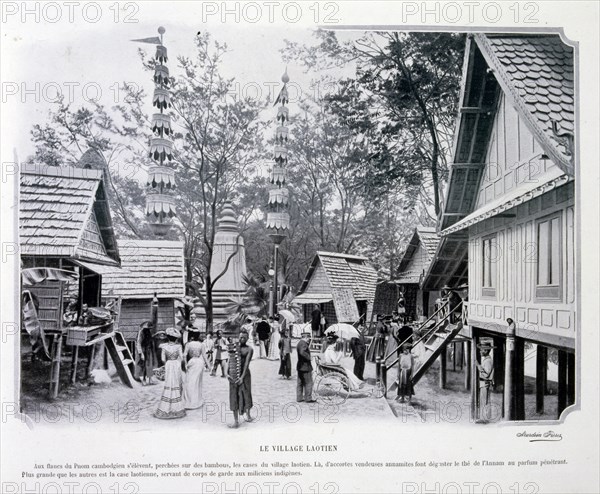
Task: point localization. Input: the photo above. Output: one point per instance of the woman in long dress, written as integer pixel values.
(171, 401)
(274, 340)
(333, 356)
(195, 356)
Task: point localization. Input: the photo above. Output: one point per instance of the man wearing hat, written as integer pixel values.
(486, 379)
(304, 368)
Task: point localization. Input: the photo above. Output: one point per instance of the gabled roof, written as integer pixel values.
(62, 207)
(345, 271)
(535, 73)
(147, 266)
(426, 236)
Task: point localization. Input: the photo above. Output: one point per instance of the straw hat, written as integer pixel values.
(174, 332)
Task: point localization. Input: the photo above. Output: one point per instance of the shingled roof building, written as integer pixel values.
(65, 223)
(342, 285)
(415, 262)
(510, 211)
(147, 267)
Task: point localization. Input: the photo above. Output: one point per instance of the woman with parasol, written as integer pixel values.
(333, 353)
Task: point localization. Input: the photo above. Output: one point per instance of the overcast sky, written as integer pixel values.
(86, 60)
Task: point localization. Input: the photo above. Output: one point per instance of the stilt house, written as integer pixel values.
(510, 210)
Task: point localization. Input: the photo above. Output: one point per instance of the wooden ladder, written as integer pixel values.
(122, 358)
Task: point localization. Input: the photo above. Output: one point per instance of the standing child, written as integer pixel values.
(209, 347)
(221, 355)
(407, 363)
(285, 352)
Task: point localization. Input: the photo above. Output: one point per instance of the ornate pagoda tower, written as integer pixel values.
(228, 243)
(278, 217)
(160, 206)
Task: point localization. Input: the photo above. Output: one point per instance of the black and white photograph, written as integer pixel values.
(254, 239)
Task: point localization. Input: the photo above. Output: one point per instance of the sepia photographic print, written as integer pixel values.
(299, 247)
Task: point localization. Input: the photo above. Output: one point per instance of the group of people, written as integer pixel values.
(272, 340)
(393, 341)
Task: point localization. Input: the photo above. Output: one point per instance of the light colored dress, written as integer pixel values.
(334, 357)
(274, 343)
(192, 389)
(171, 401)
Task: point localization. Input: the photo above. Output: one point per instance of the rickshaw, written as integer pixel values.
(332, 387)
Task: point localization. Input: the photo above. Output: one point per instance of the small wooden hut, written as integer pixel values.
(342, 285)
(147, 267)
(415, 262)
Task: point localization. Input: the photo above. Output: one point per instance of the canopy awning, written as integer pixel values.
(32, 276)
(312, 298)
(100, 269)
(523, 193)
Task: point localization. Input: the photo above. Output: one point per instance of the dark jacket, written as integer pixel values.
(358, 347)
(263, 329)
(304, 359)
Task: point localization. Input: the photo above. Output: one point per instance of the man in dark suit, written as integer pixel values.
(304, 368)
(359, 348)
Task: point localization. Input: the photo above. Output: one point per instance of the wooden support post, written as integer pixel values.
(519, 379)
(562, 381)
(570, 378)
(443, 361)
(74, 364)
(474, 379)
(454, 356)
(55, 367)
(509, 359)
(498, 360)
(467, 366)
(541, 373)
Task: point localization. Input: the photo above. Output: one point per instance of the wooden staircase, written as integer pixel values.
(122, 358)
(434, 345)
(436, 335)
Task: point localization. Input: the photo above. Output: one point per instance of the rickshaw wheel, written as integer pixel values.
(332, 389)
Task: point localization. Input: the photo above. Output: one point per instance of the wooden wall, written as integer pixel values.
(318, 283)
(135, 311)
(514, 156)
(548, 321)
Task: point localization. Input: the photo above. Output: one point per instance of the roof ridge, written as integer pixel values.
(341, 255)
(60, 171)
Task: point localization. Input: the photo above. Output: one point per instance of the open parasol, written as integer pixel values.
(287, 315)
(343, 330)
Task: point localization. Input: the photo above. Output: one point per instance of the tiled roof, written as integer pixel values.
(539, 72)
(147, 266)
(55, 205)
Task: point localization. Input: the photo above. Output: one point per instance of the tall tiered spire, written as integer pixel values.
(160, 206)
(278, 217)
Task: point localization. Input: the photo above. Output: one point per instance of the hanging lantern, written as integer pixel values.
(161, 124)
(161, 99)
(278, 175)
(279, 196)
(161, 176)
